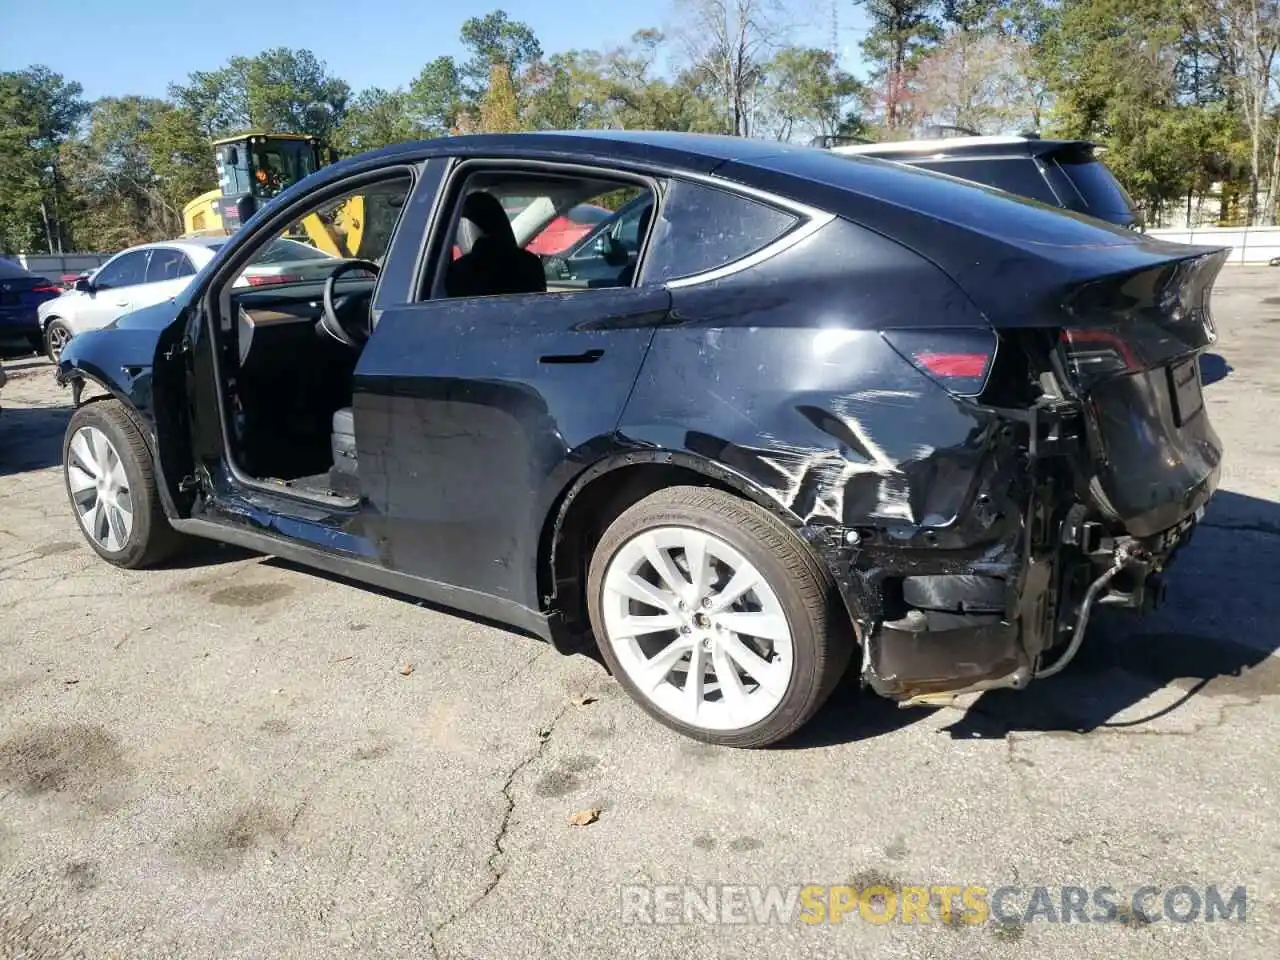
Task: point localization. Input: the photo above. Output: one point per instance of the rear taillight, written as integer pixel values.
(1091, 354)
(46, 288)
(958, 359)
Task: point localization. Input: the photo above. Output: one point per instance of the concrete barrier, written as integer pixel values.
(55, 266)
(1256, 245)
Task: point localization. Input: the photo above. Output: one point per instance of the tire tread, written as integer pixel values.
(160, 541)
(807, 582)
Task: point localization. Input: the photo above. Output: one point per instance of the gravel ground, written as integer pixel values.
(239, 758)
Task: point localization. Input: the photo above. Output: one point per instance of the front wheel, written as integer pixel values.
(716, 618)
(56, 336)
(110, 479)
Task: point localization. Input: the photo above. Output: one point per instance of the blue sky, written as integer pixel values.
(115, 47)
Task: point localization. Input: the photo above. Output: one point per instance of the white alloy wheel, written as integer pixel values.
(100, 489)
(697, 628)
(57, 337)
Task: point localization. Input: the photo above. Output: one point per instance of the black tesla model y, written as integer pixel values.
(780, 415)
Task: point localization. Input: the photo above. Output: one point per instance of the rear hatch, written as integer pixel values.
(1129, 349)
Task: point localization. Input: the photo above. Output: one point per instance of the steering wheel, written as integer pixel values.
(330, 322)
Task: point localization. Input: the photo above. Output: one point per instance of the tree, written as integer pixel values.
(499, 111)
(554, 94)
(39, 111)
(901, 32)
(496, 39)
(624, 88)
(1114, 76)
(1242, 39)
(977, 80)
(279, 91)
(436, 97)
(377, 118)
(808, 93)
(728, 44)
(138, 163)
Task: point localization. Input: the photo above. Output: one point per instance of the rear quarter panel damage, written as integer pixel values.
(780, 374)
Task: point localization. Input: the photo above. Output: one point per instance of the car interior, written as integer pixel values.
(289, 348)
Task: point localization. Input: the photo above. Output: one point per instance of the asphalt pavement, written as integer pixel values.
(237, 758)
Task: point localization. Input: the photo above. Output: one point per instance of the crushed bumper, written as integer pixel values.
(934, 627)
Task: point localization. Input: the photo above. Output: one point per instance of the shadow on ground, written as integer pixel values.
(31, 437)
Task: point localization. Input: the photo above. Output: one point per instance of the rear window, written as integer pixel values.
(1097, 186)
(1019, 175)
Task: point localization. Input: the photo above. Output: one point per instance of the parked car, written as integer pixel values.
(1062, 173)
(841, 405)
(21, 294)
(155, 272)
(563, 232)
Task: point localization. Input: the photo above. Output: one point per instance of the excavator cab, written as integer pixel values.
(254, 167)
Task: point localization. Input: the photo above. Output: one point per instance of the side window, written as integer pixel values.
(125, 270)
(703, 228)
(355, 226)
(512, 232)
(167, 264)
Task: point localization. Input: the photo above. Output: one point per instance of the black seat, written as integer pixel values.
(495, 264)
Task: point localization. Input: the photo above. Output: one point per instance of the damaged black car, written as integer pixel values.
(817, 414)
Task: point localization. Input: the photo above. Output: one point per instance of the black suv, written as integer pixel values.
(836, 411)
(1063, 173)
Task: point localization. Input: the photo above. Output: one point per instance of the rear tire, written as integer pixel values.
(110, 480)
(767, 684)
(56, 336)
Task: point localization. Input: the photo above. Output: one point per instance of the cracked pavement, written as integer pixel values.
(225, 759)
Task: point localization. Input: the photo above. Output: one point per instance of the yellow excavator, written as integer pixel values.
(252, 168)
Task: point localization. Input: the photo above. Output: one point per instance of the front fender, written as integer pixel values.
(119, 357)
(119, 364)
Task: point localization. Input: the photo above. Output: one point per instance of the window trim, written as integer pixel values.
(809, 221)
(428, 287)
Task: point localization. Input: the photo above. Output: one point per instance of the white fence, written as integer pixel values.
(1248, 244)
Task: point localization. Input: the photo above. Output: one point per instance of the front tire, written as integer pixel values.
(110, 480)
(56, 336)
(715, 617)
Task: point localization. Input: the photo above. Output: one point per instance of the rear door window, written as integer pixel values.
(703, 228)
(168, 265)
(1020, 175)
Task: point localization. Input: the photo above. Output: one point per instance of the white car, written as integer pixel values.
(155, 272)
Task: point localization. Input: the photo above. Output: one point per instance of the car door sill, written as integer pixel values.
(502, 612)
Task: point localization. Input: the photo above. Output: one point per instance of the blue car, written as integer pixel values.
(21, 292)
